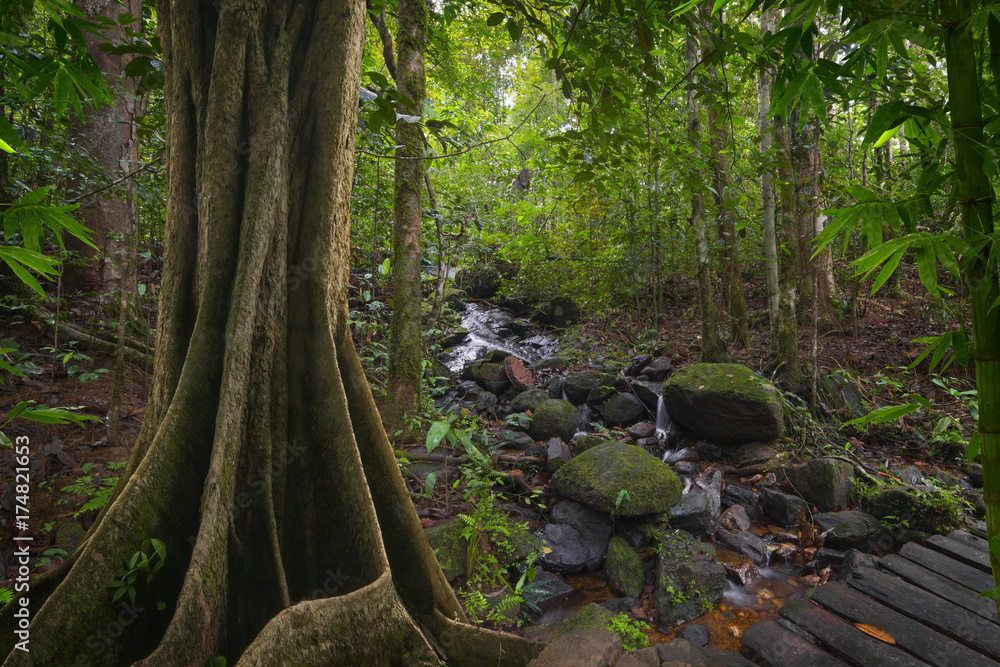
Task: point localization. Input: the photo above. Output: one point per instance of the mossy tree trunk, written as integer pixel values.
(405, 343)
(976, 197)
(712, 348)
(785, 362)
(261, 464)
(768, 24)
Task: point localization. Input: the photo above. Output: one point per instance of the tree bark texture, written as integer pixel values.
(768, 24)
(976, 197)
(712, 348)
(786, 361)
(405, 344)
(261, 464)
(729, 258)
(110, 138)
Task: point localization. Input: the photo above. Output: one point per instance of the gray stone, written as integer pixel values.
(735, 519)
(528, 400)
(659, 369)
(559, 454)
(724, 403)
(755, 454)
(914, 508)
(486, 403)
(698, 511)
(697, 634)
(909, 475)
(855, 560)
(747, 544)
(637, 363)
(826, 557)
(975, 472)
(551, 588)
(642, 430)
(826, 483)
(449, 547)
(579, 384)
(623, 569)
(648, 392)
(586, 648)
(577, 538)
(849, 529)
(743, 496)
(598, 476)
(555, 387)
(588, 618)
(686, 468)
(841, 394)
(623, 409)
(647, 657)
(516, 440)
(620, 605)
(787, 511)
(492, 377)
(688, 579)
(599, 395)
(554, 419)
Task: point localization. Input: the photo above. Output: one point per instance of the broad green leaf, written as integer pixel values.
(437, 431)
(972, 451)
(887, 135)
(927, 266)
(495, 19)
(885, 414)
(583, 177)
(4, 146)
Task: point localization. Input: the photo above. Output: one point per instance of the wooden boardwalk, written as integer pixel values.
(924, 598)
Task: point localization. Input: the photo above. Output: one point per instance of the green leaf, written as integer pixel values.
(887, 135)
(583, 177)
(437, 431)
(885, 414)
(429, 483)
(972, 451)
(495, 19)
(4, 146)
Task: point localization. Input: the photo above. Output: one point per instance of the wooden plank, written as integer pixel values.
(962, 625)
(940, 586)
(969, 540)
(844, 639)
(936, 561)
(978, 528)
(927, 644)
(961, 552)
(780, 647)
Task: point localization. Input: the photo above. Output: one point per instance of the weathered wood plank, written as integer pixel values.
(979, 528)
(948, 567)
(962, 625)
(969, 540)
(780, 647)
(843, 638)
(961, 552)
(927, 644)
(940, 586)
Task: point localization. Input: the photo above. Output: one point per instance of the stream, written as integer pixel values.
(494, 329)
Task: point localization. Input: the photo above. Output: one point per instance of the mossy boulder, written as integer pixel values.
(577, 386)
(560, 313)
(623, 569)
(481, 282)
(623, 410)
(591, 617)
(451, 548)
(590, 441)
(850, 530)
(554, 418)
(826, 483)
(724, 403)
(492, 377)
(528, 400)
(923, 509)
(688, 578)
(598, 476)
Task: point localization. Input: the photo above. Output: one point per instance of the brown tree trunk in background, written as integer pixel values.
(768, 24)
(261, 465)
(712, 348)
(730, 273)
(109, 137)
(405, 343)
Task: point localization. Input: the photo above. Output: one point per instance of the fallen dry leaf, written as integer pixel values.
(877, 633)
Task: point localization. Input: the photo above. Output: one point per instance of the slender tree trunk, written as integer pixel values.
(261, 465)
(975, 195)
(712, 347)
(729, 260)
(786, 362)
(768, 24)
(405, 344)
(109, 137)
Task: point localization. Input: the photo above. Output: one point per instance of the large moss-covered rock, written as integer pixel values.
(451, 548)
(554, 418)
(577, 386)
(492, 377)
(598, 476)
(623, 569)
(590, 441)
(850, 530)
(724, 403)
(922, 509)
(480, 282)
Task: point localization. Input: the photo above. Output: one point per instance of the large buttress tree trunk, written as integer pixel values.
(405, 344)
(261, 464)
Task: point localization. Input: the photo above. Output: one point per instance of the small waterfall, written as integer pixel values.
(663, 427)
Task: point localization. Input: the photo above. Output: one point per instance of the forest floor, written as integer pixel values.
(73, 466)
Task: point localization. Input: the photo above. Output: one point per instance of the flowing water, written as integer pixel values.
(494, 329)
